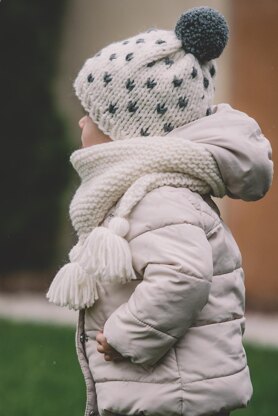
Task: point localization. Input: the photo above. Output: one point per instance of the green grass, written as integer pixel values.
(263, 364)
(40, 375)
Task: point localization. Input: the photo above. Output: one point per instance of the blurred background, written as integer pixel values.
(43, 46)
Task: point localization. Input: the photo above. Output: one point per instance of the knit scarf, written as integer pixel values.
(119, 174)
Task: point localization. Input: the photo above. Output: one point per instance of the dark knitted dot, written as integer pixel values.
(90, 78)
(206, 82)
(125, 42)
(130, 84)
(194, 72)
(145, 132)
(107, 78)
(129, 57)
(212, 70)
(150, 64)
(168, 61)
(141, 40)
(182, 103)
(209, 112)
(177, 82)
(112, 108)
(98, 54)
(168, 127)
(160, 41)
(132, 106)
(113, 56)
(161, 109)
(203, 96)
(151, 83)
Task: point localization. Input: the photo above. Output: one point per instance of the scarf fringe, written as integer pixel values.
(105, 256)
(73, 287)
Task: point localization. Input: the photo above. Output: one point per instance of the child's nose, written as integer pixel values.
(82, 122)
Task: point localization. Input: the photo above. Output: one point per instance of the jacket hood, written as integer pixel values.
(243, 154)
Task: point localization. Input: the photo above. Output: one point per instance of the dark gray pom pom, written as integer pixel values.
(204, 33)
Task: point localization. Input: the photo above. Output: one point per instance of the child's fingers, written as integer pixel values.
(110, 354)
(100, 349)
(104, 347)
(100, 338)
(113, 357)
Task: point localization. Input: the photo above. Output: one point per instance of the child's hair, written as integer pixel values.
(156, 81)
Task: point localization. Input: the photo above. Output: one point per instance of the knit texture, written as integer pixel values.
(146, 85)
(203, 32)
(131, 168)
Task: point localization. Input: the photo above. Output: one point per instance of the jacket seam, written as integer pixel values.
(216, 220)
(136, 381)
(170, 382)
(218, 323)
(231, 271)
(203, 278)
(91, 397)
(148, 325)
(198, 207)
(165, 226)
(213, 229)
(215, 378)
(180, 380)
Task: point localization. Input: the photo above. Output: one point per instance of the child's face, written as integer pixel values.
(91, 134)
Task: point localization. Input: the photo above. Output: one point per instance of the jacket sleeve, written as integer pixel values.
(176, 264)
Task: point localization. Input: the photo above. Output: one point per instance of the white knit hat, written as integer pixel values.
(156, 81)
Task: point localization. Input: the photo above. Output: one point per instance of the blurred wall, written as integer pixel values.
(254, 90)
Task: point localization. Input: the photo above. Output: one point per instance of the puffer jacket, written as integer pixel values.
(180, 324)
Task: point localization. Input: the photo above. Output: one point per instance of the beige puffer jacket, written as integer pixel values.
(180, 325)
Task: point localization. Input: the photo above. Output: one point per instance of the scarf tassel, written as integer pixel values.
(73, 287)
(104, 256)
(106, 253)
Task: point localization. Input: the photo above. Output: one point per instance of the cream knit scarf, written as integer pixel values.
(121, 173)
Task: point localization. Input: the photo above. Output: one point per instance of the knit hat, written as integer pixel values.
(156, 81)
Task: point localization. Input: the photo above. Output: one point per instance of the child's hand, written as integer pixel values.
(110, 354)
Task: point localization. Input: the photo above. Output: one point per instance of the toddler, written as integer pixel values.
(156, 274)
